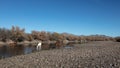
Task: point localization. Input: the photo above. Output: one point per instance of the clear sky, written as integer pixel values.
(80, 17)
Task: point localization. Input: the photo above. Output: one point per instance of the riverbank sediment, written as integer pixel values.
(24, 43)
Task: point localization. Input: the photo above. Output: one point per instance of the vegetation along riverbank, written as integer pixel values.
(16, 35)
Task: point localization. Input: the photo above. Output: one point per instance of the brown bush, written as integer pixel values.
(117, 39)
(18, 35)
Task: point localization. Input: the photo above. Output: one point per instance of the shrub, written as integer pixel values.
(117, 39)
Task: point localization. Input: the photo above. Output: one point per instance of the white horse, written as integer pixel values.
(39, 45)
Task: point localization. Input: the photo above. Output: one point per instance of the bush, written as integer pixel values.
(117, 39)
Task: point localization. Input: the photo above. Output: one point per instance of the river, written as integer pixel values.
(6, 51)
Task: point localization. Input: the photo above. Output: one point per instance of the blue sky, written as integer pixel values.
(80, 17)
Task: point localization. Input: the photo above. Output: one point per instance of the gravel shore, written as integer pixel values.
(101, 54)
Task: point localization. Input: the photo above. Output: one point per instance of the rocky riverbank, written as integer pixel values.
(102, 54)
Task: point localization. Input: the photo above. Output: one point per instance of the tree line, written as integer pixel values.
(17, 34)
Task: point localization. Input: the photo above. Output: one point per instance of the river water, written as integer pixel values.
(6, 52)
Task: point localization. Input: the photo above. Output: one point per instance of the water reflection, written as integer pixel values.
(13, 51)
(29, 49)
